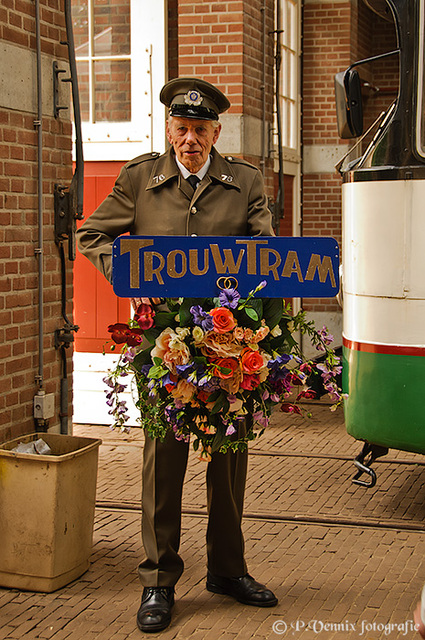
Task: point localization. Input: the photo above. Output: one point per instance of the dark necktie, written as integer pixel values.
(193, 181)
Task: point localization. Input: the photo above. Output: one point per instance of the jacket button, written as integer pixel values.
(193, 210)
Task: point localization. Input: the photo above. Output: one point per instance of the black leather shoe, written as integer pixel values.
(244, 589)
(155, 611)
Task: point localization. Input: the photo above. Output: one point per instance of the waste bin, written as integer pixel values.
(47, 507)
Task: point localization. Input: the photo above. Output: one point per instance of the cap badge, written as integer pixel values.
(193, 98)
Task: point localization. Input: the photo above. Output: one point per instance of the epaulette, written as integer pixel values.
(234, 160)
(143, 158)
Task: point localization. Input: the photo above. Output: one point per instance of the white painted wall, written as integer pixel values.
(90, 391)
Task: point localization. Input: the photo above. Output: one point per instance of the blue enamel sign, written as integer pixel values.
(198, 267)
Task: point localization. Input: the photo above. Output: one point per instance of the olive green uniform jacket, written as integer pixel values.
(150, 197)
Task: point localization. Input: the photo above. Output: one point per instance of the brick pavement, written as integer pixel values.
(352, 580)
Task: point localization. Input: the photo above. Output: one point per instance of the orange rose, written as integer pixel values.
(252, 361)
(227, 363)
(223, 319)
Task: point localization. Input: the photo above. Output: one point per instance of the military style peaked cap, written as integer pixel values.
(193, 98)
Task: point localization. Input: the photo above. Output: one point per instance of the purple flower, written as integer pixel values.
(230, 430)
(260, 418)
(229, 298)
(202, 318)
(166, 380)
(209, 383)
(109, 381)
(145, 368)
(333, 392)
(184, 370)
(178, 435)
(278, 373)
(325, 337)
(326, 373)
(129, 355)
(121, 407)
(278, 362)
(279, 385)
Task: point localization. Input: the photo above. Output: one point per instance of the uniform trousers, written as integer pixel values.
(164, 467)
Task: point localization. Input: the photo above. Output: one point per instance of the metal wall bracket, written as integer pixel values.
(65, 337)
(62, 212)
(65, 221)
(56, 79)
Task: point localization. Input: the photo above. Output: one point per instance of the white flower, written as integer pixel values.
(197, 334)
(182, 332)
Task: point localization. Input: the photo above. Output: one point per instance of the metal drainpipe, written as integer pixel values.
(38, 123)
(279, 204)
(301, 341)
(74, 198)
(263, 88)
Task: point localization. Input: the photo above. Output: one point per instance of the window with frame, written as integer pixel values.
(288, 23)
(120, 53)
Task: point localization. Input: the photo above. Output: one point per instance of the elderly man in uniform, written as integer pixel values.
(189, 190)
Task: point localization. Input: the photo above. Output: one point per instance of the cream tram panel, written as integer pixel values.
(384, 238)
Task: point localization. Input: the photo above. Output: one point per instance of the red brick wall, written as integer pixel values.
(211, 45)
(328, 47)
(222, 43)
(19, 229)
(326, 51)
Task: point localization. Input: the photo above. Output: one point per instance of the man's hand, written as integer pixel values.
(136, 302)
(420, 626)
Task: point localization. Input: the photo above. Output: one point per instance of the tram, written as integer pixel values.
(383, 249)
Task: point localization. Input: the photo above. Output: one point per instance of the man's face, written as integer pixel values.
(192, 140)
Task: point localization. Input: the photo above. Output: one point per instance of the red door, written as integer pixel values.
(95, 304)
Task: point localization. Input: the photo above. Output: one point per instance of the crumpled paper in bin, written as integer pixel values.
(36, 446)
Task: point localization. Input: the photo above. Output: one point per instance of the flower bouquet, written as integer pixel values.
(202, 366)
